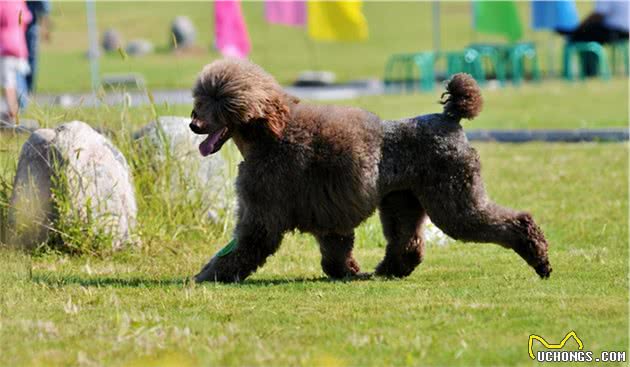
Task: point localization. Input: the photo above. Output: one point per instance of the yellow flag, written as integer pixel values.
(336, 21)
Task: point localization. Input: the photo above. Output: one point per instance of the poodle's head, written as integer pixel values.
(234, 96)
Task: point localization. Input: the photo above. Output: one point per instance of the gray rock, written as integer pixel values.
(315, 78)
(111, 40)
(123, 80)
(198, 177)
(183, 30)
(24, 126)
(98, 182)
(64, 100)
(139, 47)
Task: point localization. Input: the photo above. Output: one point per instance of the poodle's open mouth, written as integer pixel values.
(214, 141)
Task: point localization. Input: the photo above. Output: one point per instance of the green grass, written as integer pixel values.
(548, 105)
(284, 51)
(467, 304)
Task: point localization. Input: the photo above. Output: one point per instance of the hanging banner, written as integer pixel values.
(336, 21)
(497, 17)
(291, 13)
(230, 31)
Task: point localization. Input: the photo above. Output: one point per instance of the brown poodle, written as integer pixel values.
(325, 169)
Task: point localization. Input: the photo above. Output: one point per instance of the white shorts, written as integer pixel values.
(10, 67)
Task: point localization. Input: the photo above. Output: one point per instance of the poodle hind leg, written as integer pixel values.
(254, 243)
(402, 217)
(337, 259)
(457, 203)
(485, 221)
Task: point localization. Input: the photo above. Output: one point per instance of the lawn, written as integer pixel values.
(546, 105)
(394, 27)
(467, 304)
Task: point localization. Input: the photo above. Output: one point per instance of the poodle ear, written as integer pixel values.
(291, 99)
(275, 112)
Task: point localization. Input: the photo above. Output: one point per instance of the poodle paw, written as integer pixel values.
(389, 271)
(363, 276)
(543, 270)
(347, 270)
(400, 267)
(214, 272)
(354, 277)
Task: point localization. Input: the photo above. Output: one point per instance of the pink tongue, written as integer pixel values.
(207, 146)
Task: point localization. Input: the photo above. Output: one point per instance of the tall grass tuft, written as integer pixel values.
(75, 230)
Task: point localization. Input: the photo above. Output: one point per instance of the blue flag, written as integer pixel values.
(558, 14)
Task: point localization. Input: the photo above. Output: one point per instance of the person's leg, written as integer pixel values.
(8, 81)
(12, 104)
(22, 90)
(32, 39)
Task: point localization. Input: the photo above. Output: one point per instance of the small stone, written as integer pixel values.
(111, 40)
(315, 79)
(24, 126)
(183, 30)
(139, 47)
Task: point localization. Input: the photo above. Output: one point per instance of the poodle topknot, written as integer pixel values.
(325, 169)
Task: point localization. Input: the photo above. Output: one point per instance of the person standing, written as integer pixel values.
(39, 26)
(14, 18)
(607, 23)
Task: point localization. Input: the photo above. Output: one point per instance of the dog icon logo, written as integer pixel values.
(560, 345)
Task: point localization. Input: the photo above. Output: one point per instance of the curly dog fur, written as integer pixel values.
(325, 169)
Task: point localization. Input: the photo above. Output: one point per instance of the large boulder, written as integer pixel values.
(71, 171)
(183, 31)
(192, 175)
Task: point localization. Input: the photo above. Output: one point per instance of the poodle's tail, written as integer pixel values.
(462, 99)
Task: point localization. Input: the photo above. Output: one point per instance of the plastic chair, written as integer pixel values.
(396, 70)
(518, 54)
(619, 49)
(425, 64)
(467, 61)
(576, 48)
(494, 55)
(403, 68)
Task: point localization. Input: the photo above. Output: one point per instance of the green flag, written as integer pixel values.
(498, 17)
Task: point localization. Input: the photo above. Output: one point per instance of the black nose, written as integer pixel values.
(196, 129)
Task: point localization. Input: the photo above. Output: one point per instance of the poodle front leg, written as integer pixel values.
(402, 218)
(337, 259)
(253, 244)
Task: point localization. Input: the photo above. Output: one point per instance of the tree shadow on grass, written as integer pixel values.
(139, 282)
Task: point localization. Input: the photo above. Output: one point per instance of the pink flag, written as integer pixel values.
(230, 30)
(291, 12)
